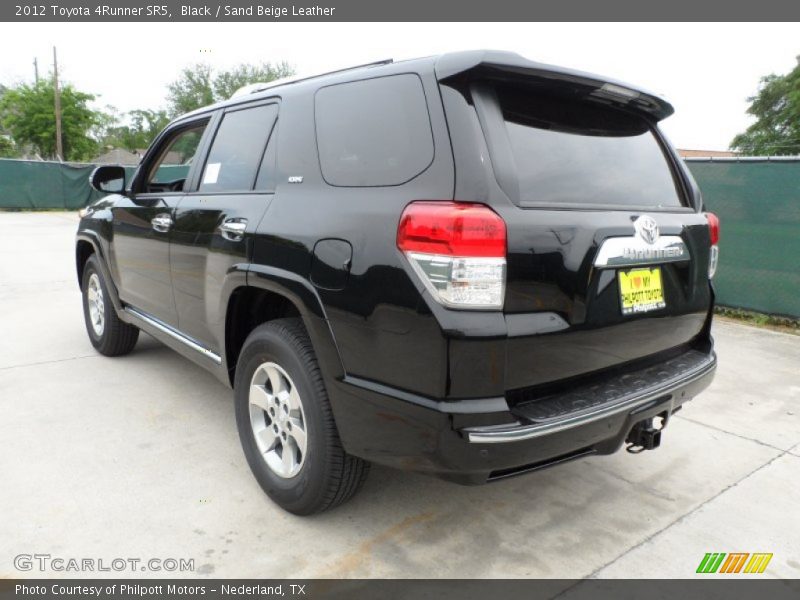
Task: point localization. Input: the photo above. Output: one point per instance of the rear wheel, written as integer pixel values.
(108, 334)
(286, 425)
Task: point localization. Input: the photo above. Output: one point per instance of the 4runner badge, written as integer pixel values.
(296, 179)
(647, 228)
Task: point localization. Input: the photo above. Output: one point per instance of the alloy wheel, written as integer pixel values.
(277, 420)
(97, 307)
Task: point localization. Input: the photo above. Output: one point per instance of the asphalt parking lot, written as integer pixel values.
(138, 457)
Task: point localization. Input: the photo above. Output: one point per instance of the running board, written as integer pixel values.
(173, 333)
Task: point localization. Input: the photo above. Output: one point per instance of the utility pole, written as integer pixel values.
(36, 70)
(59, 147)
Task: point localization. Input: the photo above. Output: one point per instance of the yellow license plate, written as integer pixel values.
(640, 290)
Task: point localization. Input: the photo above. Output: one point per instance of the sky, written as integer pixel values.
(706, 70)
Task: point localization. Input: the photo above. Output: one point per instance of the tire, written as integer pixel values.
(108, 335)
(317, 476)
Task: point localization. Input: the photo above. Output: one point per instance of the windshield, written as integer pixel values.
(572, 151)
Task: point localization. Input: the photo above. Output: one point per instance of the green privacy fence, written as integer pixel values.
(758, 204)
(38, 184)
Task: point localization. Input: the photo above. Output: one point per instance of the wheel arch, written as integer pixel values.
(83, 250)
(267, 294)
(87, 245)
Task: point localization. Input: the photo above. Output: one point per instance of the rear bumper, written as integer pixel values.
(574, 410)
(475, 441)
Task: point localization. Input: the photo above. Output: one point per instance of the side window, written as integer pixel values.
(168, 172)
(237, 149)
(374, 132)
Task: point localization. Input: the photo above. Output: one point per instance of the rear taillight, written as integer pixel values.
(458, 250)
(713, 233)
(713, 227)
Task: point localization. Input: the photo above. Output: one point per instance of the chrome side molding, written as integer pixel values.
(173, 333)
(628, 251)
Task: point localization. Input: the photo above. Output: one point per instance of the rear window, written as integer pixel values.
(374, 132)
(569, 151)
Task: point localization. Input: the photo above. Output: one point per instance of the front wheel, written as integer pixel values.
(286, 425)
(108, 334)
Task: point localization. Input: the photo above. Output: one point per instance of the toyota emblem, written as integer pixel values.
(647, 228)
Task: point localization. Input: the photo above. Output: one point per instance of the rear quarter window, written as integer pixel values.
(375, 132)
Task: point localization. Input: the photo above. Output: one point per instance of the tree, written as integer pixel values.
(27, 114)
(191, 90)
(145, 126)
(199, 86)
(227, 82)
(105, 127)
(7, 149)
(142, 126)
(776, 108)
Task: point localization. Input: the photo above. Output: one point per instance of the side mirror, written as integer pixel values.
(108, 178)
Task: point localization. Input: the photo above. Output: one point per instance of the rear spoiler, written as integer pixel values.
(491, 64)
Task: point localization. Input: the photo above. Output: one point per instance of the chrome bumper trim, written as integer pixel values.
(504, 433)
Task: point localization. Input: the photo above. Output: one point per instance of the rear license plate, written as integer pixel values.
(640, 290)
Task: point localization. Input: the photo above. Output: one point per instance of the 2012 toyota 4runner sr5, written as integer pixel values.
(470, 265)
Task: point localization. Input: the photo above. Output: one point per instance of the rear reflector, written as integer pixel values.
(458, 250)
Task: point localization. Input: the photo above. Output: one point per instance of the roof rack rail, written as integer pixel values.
(254, 88)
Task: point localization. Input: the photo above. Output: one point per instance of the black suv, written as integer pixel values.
(470, 265)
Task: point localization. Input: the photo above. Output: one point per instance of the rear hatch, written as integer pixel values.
(608, 254)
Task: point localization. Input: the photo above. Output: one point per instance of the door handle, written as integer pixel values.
(233, 229)
(162, 222)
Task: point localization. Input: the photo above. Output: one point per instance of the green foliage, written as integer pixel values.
(27, 114)
(786, 324)
(776, 108)
(145, 126)
(7, 148)
(105, 127)
(191, 90)
(142, 126)
(227, 82)
(199, 86)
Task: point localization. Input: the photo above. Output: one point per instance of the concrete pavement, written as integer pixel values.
(138, 457)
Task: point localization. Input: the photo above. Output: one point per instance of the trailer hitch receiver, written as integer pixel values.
(644, 436)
